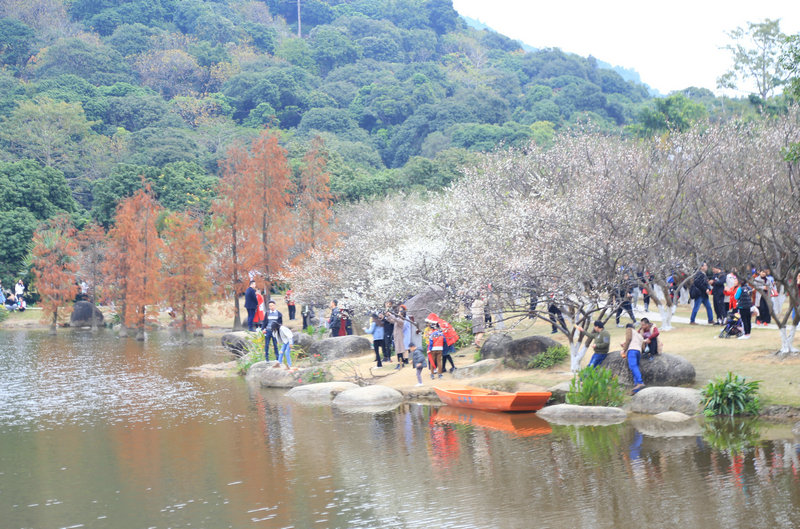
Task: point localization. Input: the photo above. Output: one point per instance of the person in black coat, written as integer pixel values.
(251, 304)
(273, 315)
(699, 293)
(718, 294)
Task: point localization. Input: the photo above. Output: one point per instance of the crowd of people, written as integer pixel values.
(13, 300)
(265, 317)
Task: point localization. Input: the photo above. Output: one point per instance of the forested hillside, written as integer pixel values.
(98, 97)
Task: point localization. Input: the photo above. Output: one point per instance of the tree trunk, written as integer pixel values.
(237, 320)
(664, 309)
(140, 328)
(577, 351)
(94, 317)
(54, 323)
(787, 339)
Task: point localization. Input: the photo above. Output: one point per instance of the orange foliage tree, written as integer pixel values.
(232, 226)
(267, 174)
(54, 265)
(92, 242)
(185, 261)
(313, 213)
(132, 261)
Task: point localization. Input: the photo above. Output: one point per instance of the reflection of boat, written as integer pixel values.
(521, 424)
(490, 400)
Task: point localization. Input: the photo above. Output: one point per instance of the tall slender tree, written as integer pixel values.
(233, 221)
(267, 175)
(313, 213)
(185, 261)
(133, 257)
(54, 265)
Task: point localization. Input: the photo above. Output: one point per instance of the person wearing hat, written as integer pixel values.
(602, 342)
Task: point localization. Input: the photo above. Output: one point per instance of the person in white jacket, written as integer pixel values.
(284, 334)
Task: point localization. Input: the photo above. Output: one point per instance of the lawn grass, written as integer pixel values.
(711, 357)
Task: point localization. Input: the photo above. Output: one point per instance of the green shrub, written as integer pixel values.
(595, 387)
(552, 356)
(464, 330)
(731, 395)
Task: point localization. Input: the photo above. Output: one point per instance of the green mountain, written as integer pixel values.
(400, 90)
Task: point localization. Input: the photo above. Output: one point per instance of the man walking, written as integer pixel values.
(718, 293)
(699, 292)
(624, 296)
(251, 304)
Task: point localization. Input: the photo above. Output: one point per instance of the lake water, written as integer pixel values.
(99, 432)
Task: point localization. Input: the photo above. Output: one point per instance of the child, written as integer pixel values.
(417, 359)
(435, 348)
(283, 333)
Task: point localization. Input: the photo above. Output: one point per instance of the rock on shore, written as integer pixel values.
(82, 315)
(274, 375)
(369, 396)
(516, 354)
(582, 415)
(235, 342)
(664, 399)
(660, 370)
(317, 393)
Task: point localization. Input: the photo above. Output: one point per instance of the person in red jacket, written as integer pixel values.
(435, 348)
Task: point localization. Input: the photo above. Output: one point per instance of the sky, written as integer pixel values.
(673, 45)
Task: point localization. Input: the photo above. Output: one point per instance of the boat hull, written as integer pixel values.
(484, 399)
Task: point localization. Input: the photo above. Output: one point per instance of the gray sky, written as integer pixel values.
(673, 45)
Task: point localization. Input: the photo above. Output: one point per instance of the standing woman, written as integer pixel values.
(376, 330)
(399, 326)
(745, 304)
(478, 322)
(632, 349)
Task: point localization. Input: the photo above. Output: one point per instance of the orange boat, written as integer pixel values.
(519, 424)
(491, 400)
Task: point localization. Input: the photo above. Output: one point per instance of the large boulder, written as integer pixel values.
(660, 399)
(316, 393)
(516, 354)
(659, 370)
(274, 375)
(477, 369)
(369, 396)
(496, 345)
(303, 340)
(235, 342)
(582, 415)
(558, 393)
(82, 314)
(340, 347)
(430, 299)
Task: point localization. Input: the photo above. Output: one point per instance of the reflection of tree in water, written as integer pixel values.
(731, 434)
(597, 443)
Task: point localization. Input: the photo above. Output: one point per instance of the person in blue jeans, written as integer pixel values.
(699, 291)
(602, 342)
(632, 350)
(287, 339)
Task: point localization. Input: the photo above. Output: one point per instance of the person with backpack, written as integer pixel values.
(744, 302)
(699, 293)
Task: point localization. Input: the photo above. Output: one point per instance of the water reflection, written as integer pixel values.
(101, 432)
